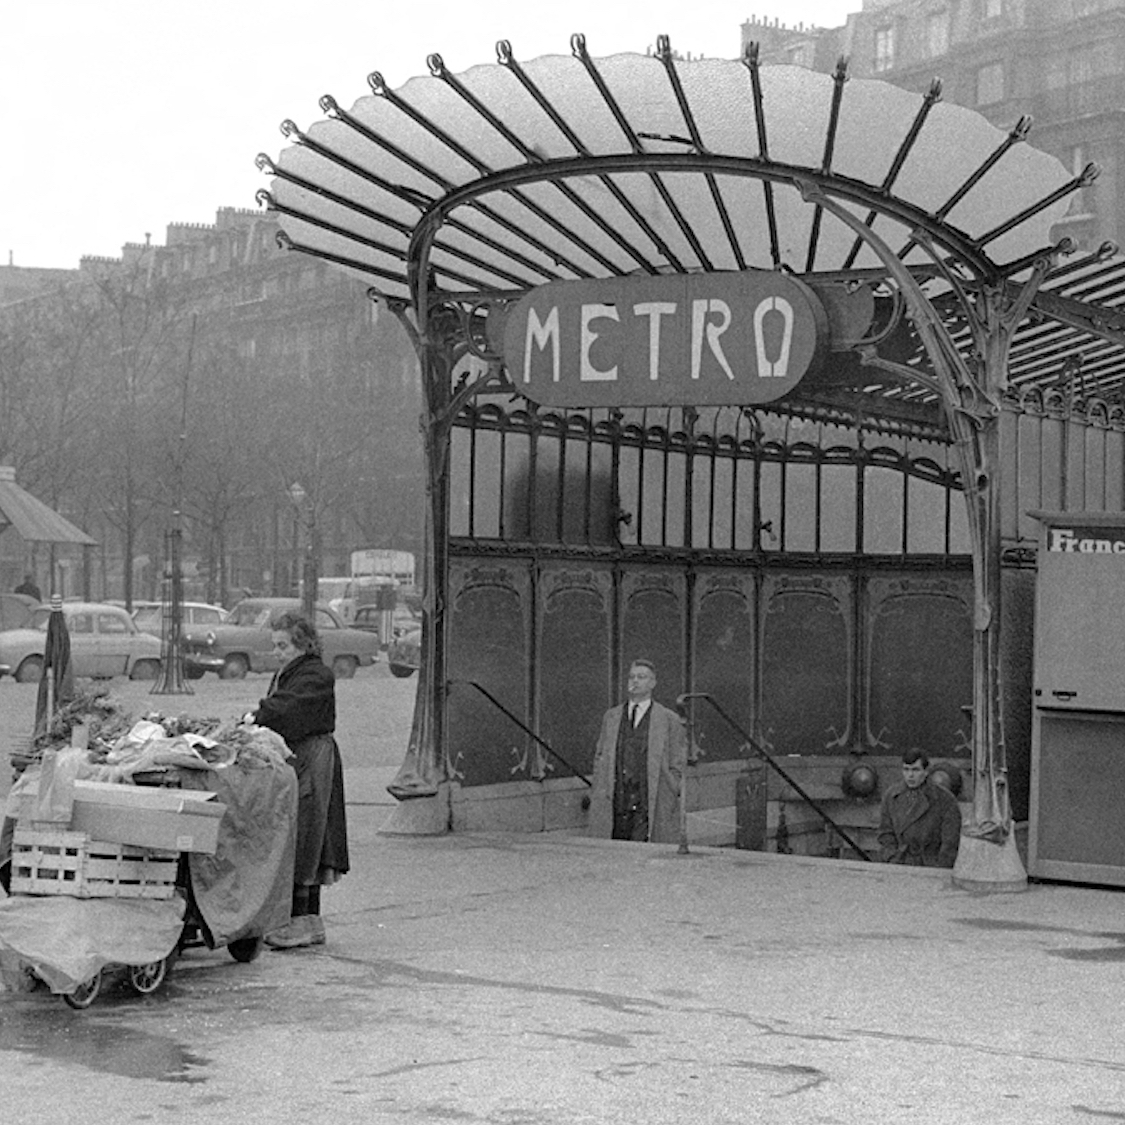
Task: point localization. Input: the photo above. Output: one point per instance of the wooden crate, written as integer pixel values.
(53, 862)
(21, 754)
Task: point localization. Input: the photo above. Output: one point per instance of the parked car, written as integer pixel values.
(372, 619)
(244, 643)
(149, 618)
(104, 642)
(15, 610)
(404, 654)
(368, 618)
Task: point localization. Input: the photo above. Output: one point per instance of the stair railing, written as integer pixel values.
(766, 757)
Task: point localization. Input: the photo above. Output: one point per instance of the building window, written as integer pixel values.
(884, 48)
(992, 9)
(937, 34)
(990, 84)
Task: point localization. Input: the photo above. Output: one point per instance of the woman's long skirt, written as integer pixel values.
(322, 828)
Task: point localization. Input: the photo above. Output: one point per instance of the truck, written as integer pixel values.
(384, 565)
(377, 577)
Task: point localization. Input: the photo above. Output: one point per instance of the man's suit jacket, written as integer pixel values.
(667, 756)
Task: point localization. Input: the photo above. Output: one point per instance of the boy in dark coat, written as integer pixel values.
(920, 822)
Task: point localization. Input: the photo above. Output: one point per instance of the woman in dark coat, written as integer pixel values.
(301, 707)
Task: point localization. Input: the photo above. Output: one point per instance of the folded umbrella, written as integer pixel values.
(56, 681)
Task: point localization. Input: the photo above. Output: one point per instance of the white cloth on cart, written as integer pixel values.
(66, 940)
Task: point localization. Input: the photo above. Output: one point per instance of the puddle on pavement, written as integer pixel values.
(35, 1027)
(1114, 953)
(1108, 953)
(1025, 927)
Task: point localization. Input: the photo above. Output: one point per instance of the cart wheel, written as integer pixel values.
(86, 993)
(245, 949)
(146, 979)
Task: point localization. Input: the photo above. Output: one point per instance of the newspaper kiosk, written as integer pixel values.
(1076, 832)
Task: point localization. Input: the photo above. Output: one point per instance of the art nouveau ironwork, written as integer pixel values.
(925, 233)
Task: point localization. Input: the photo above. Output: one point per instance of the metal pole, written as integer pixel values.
(171, 680)
(308, 600)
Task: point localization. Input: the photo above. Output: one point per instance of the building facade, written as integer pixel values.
(1061, 62)
(271, 362)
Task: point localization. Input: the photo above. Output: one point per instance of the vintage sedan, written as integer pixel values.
(149, 616)
(369, 619)
(404, 654)
(104, 642)
(15, 610)
(388, 624)
(244, 642)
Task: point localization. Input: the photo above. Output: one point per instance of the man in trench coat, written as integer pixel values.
(920, 822)
(638, 766)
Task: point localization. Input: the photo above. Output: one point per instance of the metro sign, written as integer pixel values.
(687, 339)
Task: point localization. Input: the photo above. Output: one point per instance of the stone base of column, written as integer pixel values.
(419, 816)
(987, 867)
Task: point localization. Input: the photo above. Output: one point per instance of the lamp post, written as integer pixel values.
(307, 516)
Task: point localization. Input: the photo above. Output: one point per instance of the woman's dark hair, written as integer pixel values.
(301, 632)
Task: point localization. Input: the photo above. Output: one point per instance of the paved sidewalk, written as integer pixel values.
(546, 980)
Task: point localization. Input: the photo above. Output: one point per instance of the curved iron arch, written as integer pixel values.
(966, 250)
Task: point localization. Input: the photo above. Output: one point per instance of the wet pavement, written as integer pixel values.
(545, 980)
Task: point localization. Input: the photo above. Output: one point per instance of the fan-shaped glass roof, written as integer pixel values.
(515, 174)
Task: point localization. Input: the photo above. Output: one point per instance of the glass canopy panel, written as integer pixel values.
(875, 119)
(459, 145)
(797, 106)
(566, 86)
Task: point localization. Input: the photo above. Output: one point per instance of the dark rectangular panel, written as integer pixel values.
(1078, 779)
(653, 604)
(724, 661)
(573, 662)
(920, 653)
(806, 664)
(488, 644)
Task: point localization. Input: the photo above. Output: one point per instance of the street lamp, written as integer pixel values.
(307, 515)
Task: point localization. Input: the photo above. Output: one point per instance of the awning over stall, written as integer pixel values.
(32, 519)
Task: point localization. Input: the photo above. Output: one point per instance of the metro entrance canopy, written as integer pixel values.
(648, 204)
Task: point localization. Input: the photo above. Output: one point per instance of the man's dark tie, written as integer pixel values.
(633, 714)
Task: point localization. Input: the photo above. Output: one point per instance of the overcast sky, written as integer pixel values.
(120, 116)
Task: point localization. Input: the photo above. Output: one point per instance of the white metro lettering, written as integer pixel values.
(710, 342)
(542, 334)
(654, 310)
(699, 311)
(779, 367)
(587, 372)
